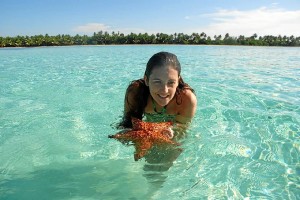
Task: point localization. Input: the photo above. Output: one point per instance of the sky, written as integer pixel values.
(213, 17)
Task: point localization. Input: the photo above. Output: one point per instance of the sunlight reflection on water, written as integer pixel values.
(57, 106)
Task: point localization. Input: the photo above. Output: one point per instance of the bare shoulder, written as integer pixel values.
(189, 98)
(131, 94)
(188, 106)
(133, 89)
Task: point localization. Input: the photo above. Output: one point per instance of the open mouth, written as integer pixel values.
(163, 96)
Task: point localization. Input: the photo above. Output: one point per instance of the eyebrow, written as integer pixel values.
(157, 79)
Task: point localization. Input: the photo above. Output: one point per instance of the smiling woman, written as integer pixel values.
(161, 95)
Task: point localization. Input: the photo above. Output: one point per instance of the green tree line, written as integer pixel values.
(105, 38)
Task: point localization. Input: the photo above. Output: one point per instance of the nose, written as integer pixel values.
(164, 88)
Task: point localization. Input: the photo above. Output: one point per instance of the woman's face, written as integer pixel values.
(162, 83)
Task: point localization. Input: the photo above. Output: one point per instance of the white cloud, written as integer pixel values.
(91, 28)
(262, 21)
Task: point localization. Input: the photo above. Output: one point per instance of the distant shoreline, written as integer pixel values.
(107, 45)
(105, 38)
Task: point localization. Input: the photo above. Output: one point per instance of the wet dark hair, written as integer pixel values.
(162, 59)
(141, 90)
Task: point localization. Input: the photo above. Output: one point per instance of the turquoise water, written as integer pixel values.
(58, 104)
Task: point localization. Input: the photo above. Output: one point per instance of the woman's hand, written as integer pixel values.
(168, 132)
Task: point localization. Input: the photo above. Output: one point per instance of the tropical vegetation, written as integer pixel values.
(105, 38)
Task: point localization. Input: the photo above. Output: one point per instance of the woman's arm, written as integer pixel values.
(129, 102)
(134, 103)
(186, 113)
(187, 109)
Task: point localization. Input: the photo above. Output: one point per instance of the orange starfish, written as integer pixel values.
(144, 135)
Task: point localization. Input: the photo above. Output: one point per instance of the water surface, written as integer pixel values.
(58, 104)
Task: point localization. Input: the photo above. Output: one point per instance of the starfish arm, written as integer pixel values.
(144, 135)
(139, 124)
(141, 149)
(131, 135)
(162, 139)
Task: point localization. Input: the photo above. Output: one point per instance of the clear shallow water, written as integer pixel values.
(57, 105)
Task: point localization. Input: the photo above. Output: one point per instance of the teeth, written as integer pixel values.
(163, 96)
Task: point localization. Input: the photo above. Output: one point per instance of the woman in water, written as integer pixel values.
(161, 95)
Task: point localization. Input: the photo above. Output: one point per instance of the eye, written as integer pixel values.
(171, 83)
(156, 81)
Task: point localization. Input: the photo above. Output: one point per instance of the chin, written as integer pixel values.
(163, 103)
